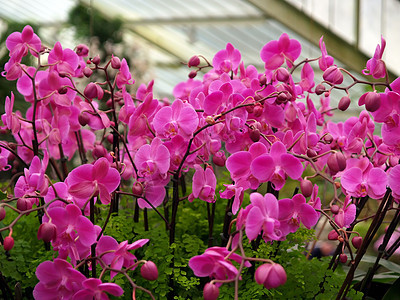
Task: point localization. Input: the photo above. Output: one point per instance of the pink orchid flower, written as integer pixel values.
(393, 181)
(120, 255)
(72, 226)
(346, 214)
(57, 280)
(94, 288)
(89, 180)
(212, 263)
(124, 76)
(10, 119)
(376, 66)
(276, 165)
(227, 60)
(18, 43)
(64, 61)
(275, 53)
(263, 217)
(326, 60)
(179, 118)
(204, 184)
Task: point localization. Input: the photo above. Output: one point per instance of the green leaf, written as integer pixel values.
(385, 263)
(393, 292)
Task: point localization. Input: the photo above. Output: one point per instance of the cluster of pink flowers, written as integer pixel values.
(266, 123)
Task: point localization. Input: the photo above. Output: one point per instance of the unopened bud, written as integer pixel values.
(254, 135)
(335, 209)
(357, 241)
(194, 61)
(210, 291)
(333, 235)
(2, 213)
(281, 74)
(96, 60)
(99, 151)
(93, 90)
(319, 89)
(306, 187)
(337, 162)
(328, 138)
(110, 138)
(344, 103)
(8, 243)
(258, 110)
(83, 118)
(263, 79)
(47, 232)
(23, 204)
(115, 62)
(219, 158)
(343, 258)
(210, 120)
(372, 101)
(62, 90)
(192, 74)
(311, 153)
(149, 271)
(137, 189)
(87, 72)
(82, 50)
(333, 75)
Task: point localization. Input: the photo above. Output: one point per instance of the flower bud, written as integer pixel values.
(149, 271)
(83, 118)
(219, 158)
(258, 110)
(99, 151)
(311, 153)
(110, 138)
(137, 189)
(372, 101)
(306, 187)
(283, 97)
(192, 74)
(263, 79)
(319, 89)
(194, 61)
(115, 62)
(93, 90)
(344, 103)
(343, 258)
(2, 213)
(336, 162)
(333, 75)
(333, 235)
(8, 243)
(254, 135)
(210, 120)
(281, 74)
(47, 232)
(357, 241)
(210, 291)
(270, 275)
(96, 60)
(87, 72)
(23, 204)
(82, 50)
(328, 138)
(335, 209)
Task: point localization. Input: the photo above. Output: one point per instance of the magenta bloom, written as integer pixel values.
(213, 263)
(326, 60)
(294, 211)
(120, 257)
(88, 180)
(346, 214)
(57, 280)
(153, 160)
(20, 42)
(359, 183)
(376, 66)
(65, 61)
(227, 60)
(263, 216)
(276, 165)
(179, 118)
(124, 76)
(94, 288)
(204, 184)
(270, 275)
(10, 119)
(393, 181)
(275, 53)
(71, 227)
